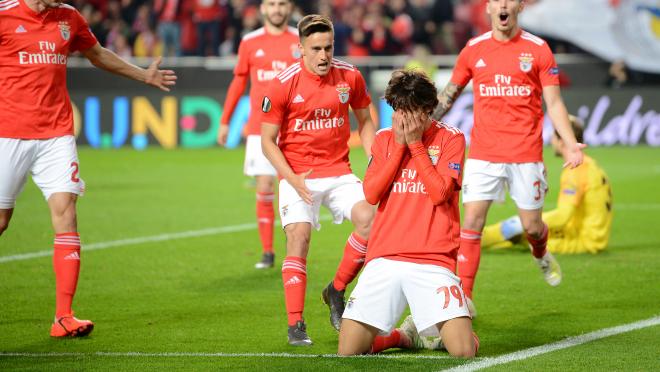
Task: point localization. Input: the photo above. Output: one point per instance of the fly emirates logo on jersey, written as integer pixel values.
(408, 183)
(503, 88)
(47, 55)
(323, 119)
(268, 75)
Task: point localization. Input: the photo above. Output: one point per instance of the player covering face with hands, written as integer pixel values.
(414, 177)
(36, 126)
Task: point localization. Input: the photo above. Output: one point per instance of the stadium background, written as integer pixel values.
(619, 105)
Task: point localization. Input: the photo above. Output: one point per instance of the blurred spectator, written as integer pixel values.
(420, 60)
(147, 43)
(169, 14)
(207, 15)
(362, 27)
(120, 46)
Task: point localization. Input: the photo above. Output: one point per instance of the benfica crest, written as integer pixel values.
(65, 30)
(434, 152)
(526, 60)
(343, 89)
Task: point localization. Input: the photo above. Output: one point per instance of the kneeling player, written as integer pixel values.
(414, 176)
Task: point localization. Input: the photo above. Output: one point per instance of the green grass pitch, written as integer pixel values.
(199, 299)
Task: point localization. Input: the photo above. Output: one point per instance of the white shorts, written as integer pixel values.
(386, 287)
(338, 194)
(256, 163)
(526, 182)
(53, 164)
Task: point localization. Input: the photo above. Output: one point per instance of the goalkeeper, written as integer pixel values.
(581, 222)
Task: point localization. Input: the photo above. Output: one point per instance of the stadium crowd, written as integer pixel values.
(147, 28)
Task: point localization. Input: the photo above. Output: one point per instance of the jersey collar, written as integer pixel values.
(312, 76)
(513, 39)
(31, 12)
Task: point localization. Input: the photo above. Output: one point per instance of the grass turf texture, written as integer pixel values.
(202, 295)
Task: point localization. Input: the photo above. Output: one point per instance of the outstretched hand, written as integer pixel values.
(573, 156)
(161, 79)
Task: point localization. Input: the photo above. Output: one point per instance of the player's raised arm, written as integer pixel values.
(386, 157)
(572, 153)
(236, 89)
(107, 60)
(446, 99)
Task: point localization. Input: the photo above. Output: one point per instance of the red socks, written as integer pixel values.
(351, 263)
(386, 342)
(294, 276)
(66, 263)
(538, 245)
(469, 255)
(265, 220)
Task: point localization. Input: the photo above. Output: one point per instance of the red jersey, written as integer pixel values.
(312, 112)
(34, 100)
(508, 80)
(408, 225)
(263, 56)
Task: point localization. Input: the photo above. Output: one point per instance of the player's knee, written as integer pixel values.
(474, 223)
(463, 350)
(297, 238)
(4, 224)
(362, 217)
(533, 228)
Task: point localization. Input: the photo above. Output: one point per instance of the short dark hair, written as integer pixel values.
(313, 23)
(411, 90)
(577, 125)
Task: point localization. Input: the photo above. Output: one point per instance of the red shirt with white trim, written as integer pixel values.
(508, 79)
(408, 226)
(34, 101)
(312, 112)
(263, 56)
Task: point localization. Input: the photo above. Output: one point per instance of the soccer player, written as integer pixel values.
(414, 177)
(307, 106)
(581, 222)
(511, 70)
(262, 54)
(36, 126)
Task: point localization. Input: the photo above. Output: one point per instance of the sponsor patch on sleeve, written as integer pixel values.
(569, 191)
(265, 104)
(554, 70)
(455, 166)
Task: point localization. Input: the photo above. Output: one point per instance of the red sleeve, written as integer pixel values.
(83, 38)
(462, 72)
(361, 98)
(382, 169)
(439, 184)
(234, 93)
(243, 64)
(452, 157)
(548, 70)
(273, 105)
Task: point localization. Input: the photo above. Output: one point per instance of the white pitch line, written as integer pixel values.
(145, 239)
(215, 355)
(138, 240)
(563, 344)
